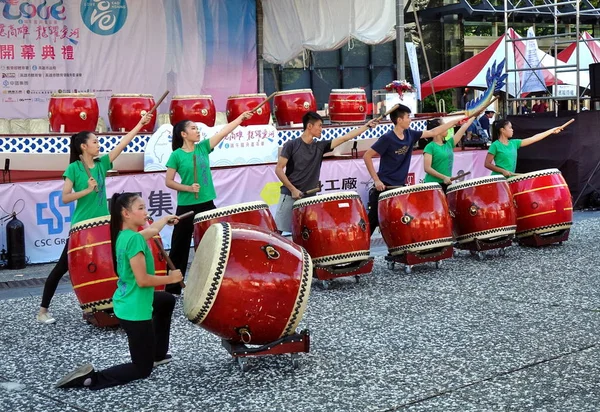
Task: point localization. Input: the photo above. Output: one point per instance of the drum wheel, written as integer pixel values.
(391, 265)
(295, 362)
(325, 284)
(408, 269)
(244, 364)
(501, 252)
(438, 264)
(480, 255)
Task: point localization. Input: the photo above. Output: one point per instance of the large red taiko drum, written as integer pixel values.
(252, 213)
(543, 202)
(73, 112)
(247, 284)
(126, 110)
(482, 209)
(240, 103)
(415, 218)
(291, 105)
(197, 108)
(91, 267)
(348, 106)
(333, 228)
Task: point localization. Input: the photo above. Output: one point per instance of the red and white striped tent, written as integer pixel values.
(589, 52)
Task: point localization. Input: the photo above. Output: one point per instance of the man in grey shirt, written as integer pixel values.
(301, 158)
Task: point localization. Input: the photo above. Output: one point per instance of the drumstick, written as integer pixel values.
(167, 258)
(393, 187)
(195, 175)
(158, 102)
(185, 215)
(262, 103)
(460, 175)
(394, 107)
(311, 191)
(566, 124)
(87, 170)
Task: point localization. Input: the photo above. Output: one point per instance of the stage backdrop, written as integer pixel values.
(47, 220)
(124, 46)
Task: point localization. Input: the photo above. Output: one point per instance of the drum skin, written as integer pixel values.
(415, 218)
(247, 285)
(347, 106)
(126, 110)
(91, 265)
(543, 202)
(333, 228)
(482, 209)
(196, 108)
(76, 111)
(291, 105)
(252, 213)
(238, 104)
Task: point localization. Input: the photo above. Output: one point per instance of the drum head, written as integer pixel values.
(475, 182)
(230, 210)
(192, 97)
(89, 223)
(296, 91)
(531, 175)
(422, 187)
(238, 96)
(325, 198)
(348, 91)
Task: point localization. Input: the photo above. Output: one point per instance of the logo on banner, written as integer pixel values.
(104, 17)
(55, 205)
(47, 10)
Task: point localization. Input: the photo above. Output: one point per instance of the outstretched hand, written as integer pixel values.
(146, 119)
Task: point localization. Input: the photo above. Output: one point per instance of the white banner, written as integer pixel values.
(411, 50)
(47, 219)
(532, 80)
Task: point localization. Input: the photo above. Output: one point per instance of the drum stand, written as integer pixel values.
(478, 246)
(292, 344)
(327, 273)
(101, 319)
(409, 259)
(536, 240)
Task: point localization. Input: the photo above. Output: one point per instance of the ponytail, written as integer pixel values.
(177, 138)
(498, 124)
(75, 145)
(118, 202)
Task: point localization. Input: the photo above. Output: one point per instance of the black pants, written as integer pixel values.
(148, 342)
(180, 241)
(61, 267)
(372, 207)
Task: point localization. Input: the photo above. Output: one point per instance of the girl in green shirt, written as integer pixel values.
(144, 314)
(503, 151)
(438, 155)
(194, 193)
(89, 193)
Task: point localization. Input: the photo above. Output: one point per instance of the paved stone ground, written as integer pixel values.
(518, 332)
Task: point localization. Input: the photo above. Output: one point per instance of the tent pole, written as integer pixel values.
(400, 73)
(425, 56)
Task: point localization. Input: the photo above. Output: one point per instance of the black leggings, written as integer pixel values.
(148, 342)
(372, 207)
(61, 267)
(181, 239)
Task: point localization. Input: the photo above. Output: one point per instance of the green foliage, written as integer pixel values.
(429, 102)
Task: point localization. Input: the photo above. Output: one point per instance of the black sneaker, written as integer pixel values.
(76, 378)
(168, 358)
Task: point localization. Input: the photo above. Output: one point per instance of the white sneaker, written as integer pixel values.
(45, 318)
(168, 358)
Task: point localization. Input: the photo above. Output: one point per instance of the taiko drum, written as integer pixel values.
(291, 105)
(238, 104)
(348, 106)
(125, 111)
(75, 111)
(197, 108)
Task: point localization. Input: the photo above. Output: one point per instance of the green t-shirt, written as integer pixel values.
(442, 159)
(130, 301)
(505, 156)
(93, 204)
(183, 163)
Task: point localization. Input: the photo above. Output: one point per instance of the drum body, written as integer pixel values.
(197, 108)
(333, 228)
(543, 202)
(238, 104)
(76, 111)
(291, 105)
(482, 209)
(415, 218)
(91, 266)
(247, 284)
(347, 106)
(125, 111)
(252, 213)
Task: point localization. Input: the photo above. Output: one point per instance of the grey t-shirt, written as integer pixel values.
(304, 163)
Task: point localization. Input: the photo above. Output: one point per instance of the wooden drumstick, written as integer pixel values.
(263, 103)
(459, 176)
(158, 102)
(566, 124)
(185, 215)
(87, 170)
(195, 174)
(167, 258)
(315, 190)
(394, 107)
(393, 187)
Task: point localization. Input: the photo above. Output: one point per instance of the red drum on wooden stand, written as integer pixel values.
(543, 204)
(249, 286)
(483, 213)
(291, 105)
(73, 112)
(197, 108)
(414, 222)
(334, 229)
(252, 213)
(240, 103)
(347, 106)
(91, 269)
(125, 111)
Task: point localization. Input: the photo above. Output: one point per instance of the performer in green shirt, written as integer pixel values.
(503, 151)
(78, 187)
(144, 314)
(194, 193)
(438, 155)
